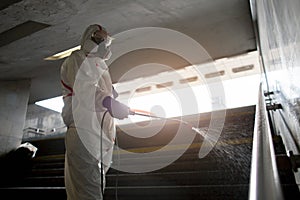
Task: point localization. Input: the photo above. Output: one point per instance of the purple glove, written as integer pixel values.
(115, 108)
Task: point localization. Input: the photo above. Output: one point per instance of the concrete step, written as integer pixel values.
(47, 172)
(222, 174)
(203, 192)
(34, 193)
(182, 178)
(42, 181)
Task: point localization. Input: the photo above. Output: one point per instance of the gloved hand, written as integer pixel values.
(114, 92)
(115, 108)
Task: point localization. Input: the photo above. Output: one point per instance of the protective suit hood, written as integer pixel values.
(89, 47)
(87, 44)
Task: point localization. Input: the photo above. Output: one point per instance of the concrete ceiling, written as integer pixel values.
(34, 29)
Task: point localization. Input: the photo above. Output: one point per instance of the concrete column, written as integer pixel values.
(14, 97)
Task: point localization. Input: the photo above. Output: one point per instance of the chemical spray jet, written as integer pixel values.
(201, 131)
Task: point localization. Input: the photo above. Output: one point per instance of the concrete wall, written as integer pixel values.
(42, 122)
(279, 31)
(279, 38)
(13, 106)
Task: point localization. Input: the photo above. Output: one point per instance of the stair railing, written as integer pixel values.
(264, 179)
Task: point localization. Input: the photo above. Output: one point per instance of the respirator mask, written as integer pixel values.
(103, 40)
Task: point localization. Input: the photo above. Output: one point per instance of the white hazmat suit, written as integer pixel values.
(85, 83)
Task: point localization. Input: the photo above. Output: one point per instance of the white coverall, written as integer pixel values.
(85, 82)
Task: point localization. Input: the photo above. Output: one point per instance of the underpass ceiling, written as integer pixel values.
(222, 27)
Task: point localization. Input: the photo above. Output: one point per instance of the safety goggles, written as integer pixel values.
(100, 36)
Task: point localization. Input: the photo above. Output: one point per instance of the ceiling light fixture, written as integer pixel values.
(62, 54)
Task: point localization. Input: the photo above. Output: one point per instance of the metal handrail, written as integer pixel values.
(264, 179)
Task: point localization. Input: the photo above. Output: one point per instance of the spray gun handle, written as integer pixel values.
(131, 112)
(142, 113)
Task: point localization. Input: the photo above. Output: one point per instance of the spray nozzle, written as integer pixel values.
(202, 132)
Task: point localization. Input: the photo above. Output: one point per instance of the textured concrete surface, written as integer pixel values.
(279, 30)
(223, 28)
(279, 37)
(41, 122)
(13, 106)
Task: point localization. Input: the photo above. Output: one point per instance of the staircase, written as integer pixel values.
(223, 174)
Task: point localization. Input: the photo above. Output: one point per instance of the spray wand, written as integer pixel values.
(202, 132)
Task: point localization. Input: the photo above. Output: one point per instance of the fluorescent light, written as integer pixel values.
(62, 54)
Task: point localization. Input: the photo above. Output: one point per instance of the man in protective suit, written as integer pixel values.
(88, 112)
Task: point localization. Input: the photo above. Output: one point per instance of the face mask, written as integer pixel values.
(108, 54)
(103, 52)
(108, 40)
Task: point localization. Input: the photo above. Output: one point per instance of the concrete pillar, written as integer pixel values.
(14, 97)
